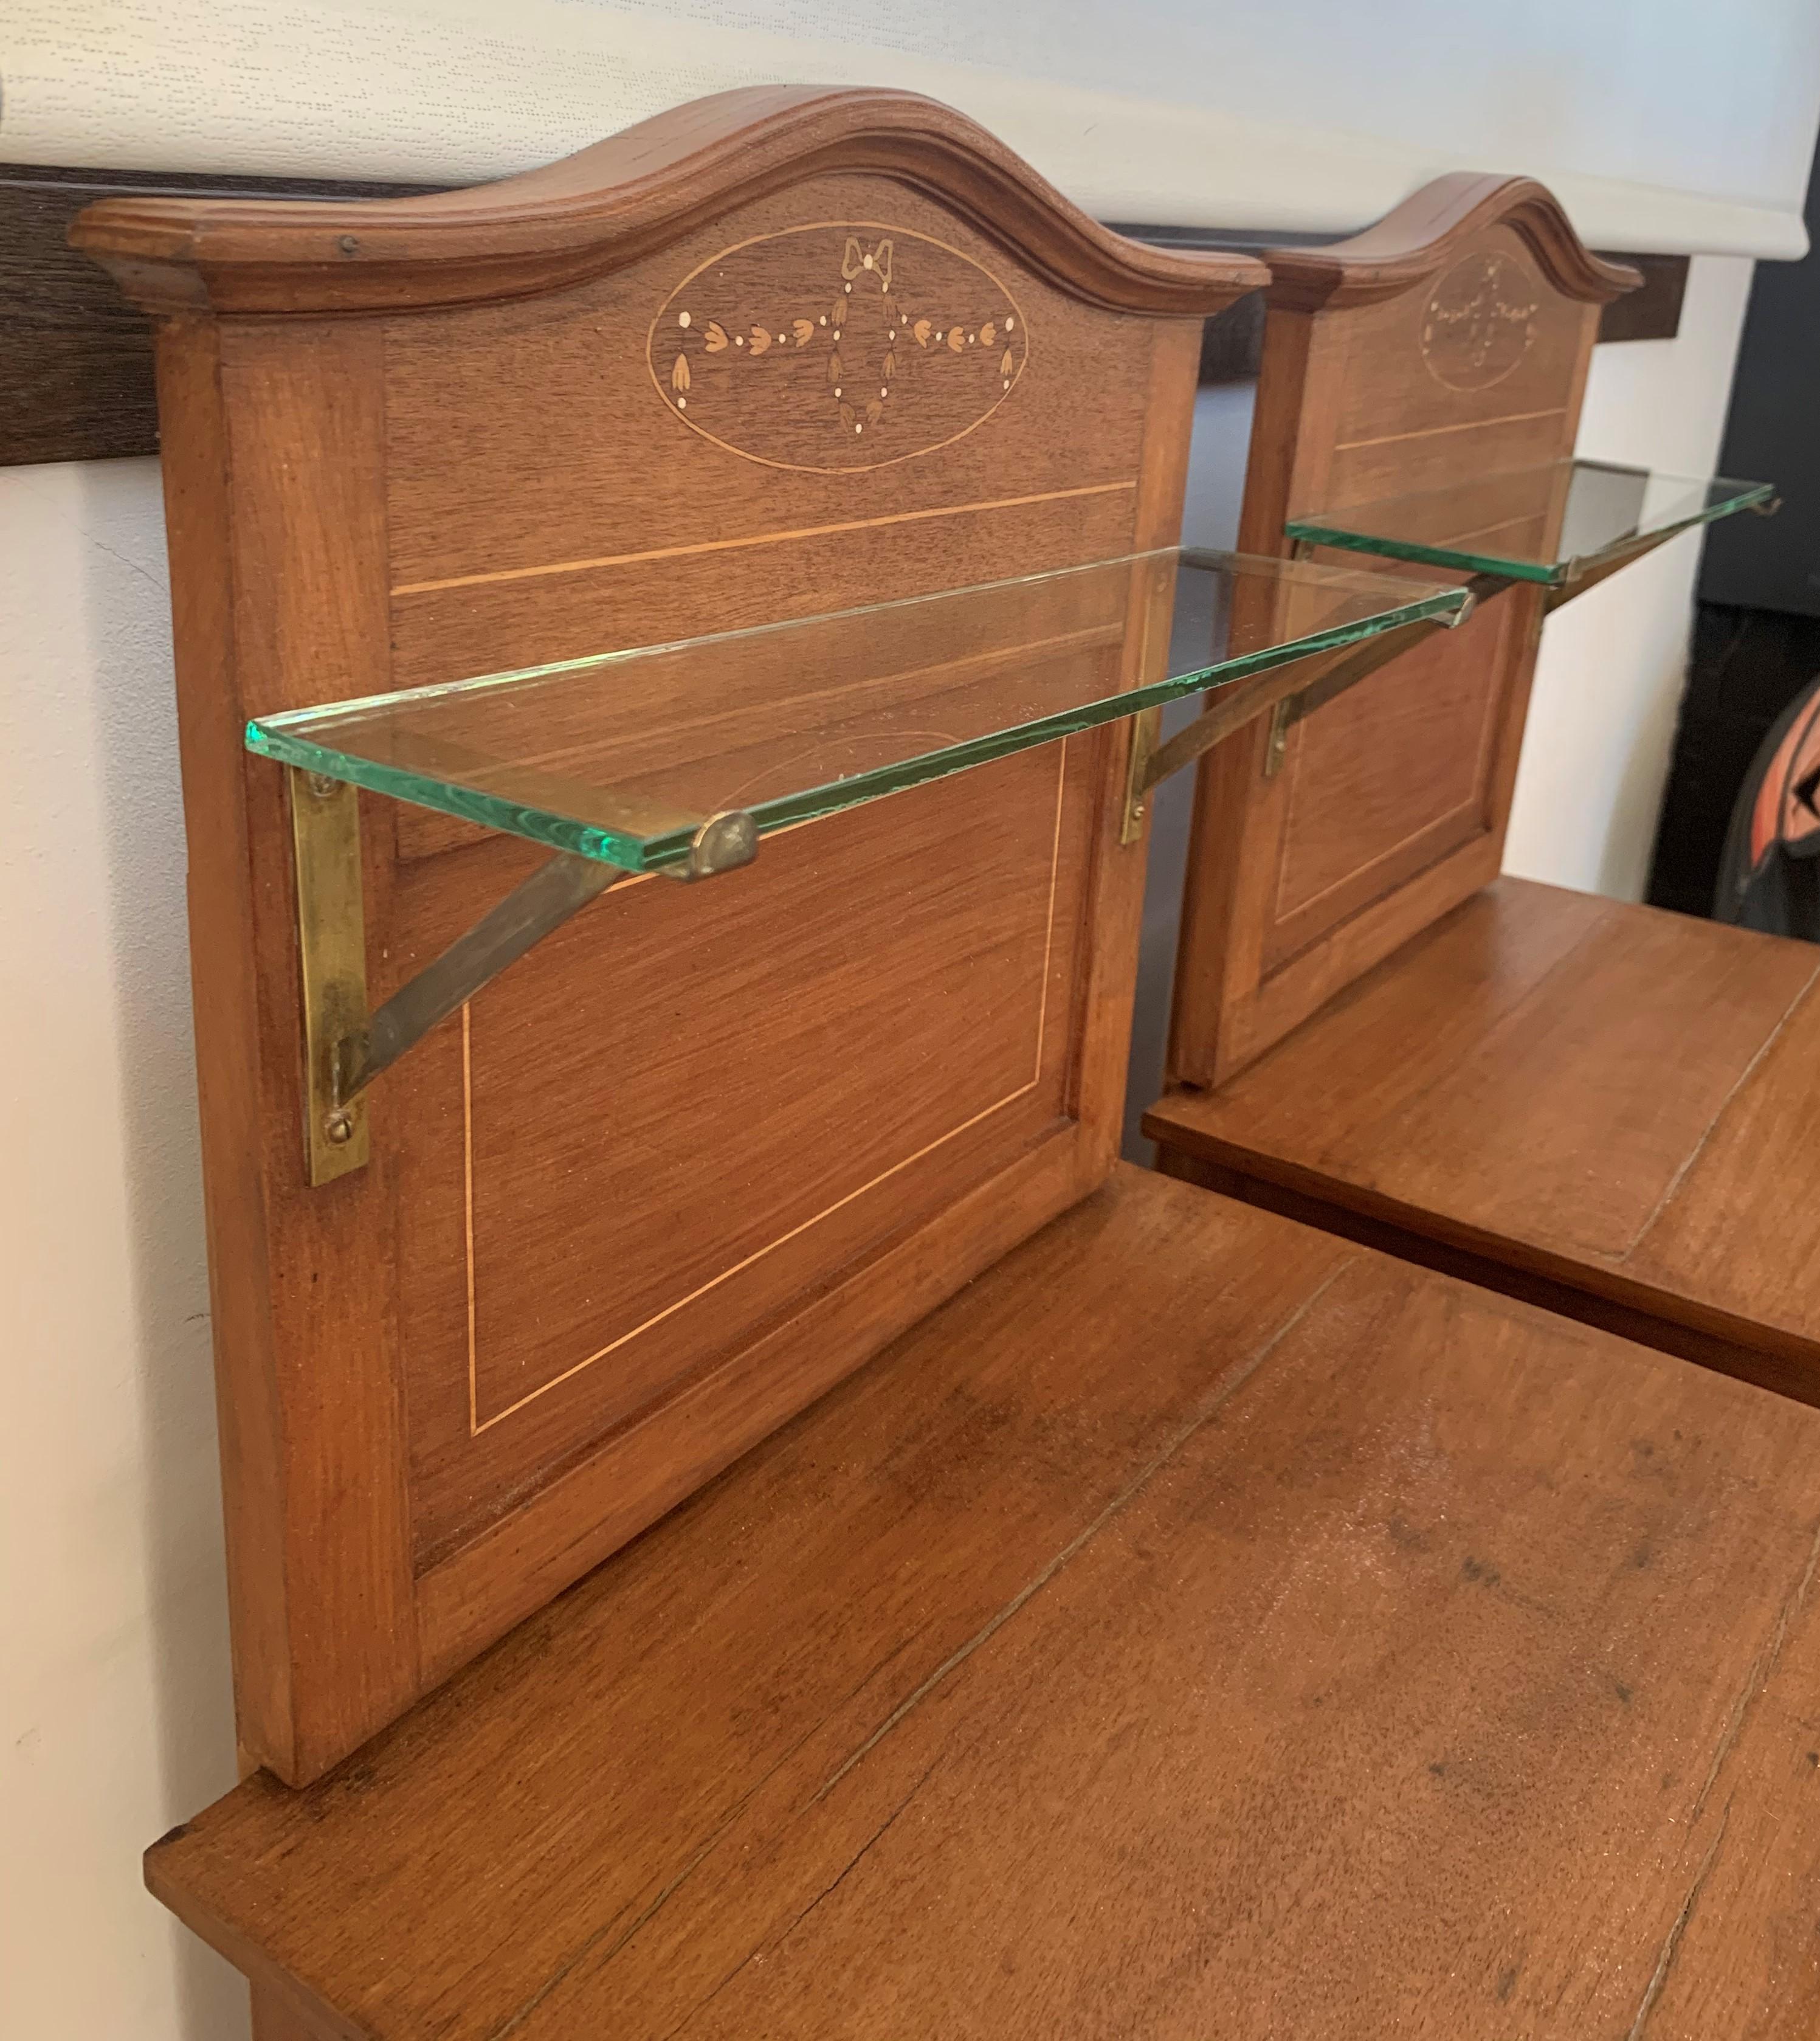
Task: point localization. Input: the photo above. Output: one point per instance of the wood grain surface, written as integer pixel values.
(1614, 1100)
(278, 2017)
(1200, 1625)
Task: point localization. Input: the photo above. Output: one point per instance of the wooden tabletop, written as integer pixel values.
(1615, 1099)
(1201, 1625)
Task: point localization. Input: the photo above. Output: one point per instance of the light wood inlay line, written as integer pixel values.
(763, 538)
(1049, 931)
(468, 1188)
(477, 1425)
(1482, 758)
(1433, 432)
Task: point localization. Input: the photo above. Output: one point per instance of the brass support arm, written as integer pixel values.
(345, 1045)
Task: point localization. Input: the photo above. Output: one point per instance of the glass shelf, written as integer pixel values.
(622, 757)
(1552, 524)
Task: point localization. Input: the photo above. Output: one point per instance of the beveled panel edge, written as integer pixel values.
(609, 205)
(1428, 232)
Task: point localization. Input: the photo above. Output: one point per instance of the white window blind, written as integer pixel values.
(1677, 125)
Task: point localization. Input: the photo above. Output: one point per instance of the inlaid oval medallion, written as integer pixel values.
(1479, 321)
(837, 347)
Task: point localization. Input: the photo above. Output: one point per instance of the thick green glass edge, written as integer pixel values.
(1554, 574)
(630, 853)
(1424, 556)
(645, 854)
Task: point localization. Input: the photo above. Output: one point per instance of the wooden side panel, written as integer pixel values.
(1391, 802)
(689, 1109)
(276, 506)
(707, 1147)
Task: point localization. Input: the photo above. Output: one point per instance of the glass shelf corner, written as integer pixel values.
(1555, 525)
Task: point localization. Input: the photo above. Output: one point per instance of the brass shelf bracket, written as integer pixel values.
(1347, 673)
(345, 1044)
(1286, 693)
(1610, 563)
(1290, 701)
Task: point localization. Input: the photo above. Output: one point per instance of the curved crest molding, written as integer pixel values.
(608, 205)
(1427, 233)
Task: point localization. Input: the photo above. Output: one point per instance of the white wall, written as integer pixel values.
(1613, 663)
(116, 1719)
(1675, 124)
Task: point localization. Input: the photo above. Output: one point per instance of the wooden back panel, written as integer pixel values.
(1452, 339)
(706, 1148)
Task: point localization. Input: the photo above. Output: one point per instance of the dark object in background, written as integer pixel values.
(1746, 666)
(1757, 626)
(1773, 430)
(1769, 876)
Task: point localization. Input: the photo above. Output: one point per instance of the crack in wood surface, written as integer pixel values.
(605, 1937)
(1677, 1928)
(833, 1885)
(1758, 1677)
(1228, 1386)
(605, 1933)
(877, 1836)
(1707, 1132)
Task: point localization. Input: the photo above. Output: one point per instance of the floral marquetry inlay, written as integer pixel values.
(839, 346)
(1479, 321)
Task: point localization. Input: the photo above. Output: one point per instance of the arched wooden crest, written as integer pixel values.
(702, 1152)
(1450, 340)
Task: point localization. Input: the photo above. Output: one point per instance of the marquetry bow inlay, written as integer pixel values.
(837, 347)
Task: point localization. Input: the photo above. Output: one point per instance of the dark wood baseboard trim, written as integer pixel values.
(75, 358)
(1654, 311)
